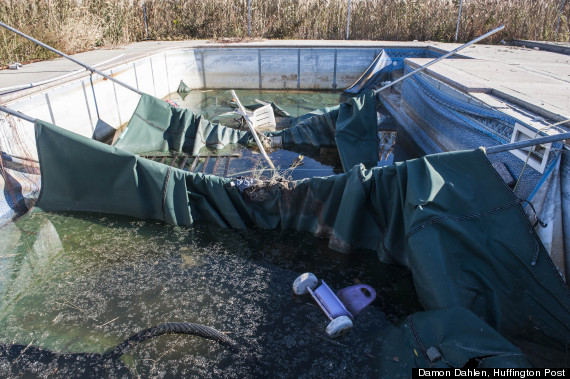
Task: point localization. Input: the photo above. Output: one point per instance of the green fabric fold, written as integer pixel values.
(157, 126)
(447, 338)
(448, 217)
(350, 126)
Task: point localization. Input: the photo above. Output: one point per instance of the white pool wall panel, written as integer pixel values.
(184, 65)
(279, 68)
(231, 68)
(78, 104)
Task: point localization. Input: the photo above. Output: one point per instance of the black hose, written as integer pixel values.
(171, 328)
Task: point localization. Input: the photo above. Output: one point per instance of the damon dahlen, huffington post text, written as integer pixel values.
(493, 373)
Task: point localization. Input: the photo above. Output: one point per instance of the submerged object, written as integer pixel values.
(340, 308)
(15, 66)
(32, 360)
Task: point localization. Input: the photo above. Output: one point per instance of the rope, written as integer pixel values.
(171, 328)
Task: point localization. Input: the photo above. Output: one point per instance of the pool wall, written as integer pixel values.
(78, 104)
(80, 101)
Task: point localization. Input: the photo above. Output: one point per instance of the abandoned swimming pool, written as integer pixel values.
(134, 274)
(377, 344)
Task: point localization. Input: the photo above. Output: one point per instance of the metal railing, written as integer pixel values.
(559, 18)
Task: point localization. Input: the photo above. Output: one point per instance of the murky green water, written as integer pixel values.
(214, 105)
(85, 282)
(81, 282)
(238, 160)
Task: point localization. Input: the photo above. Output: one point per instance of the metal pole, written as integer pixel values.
(458, 20)
(527, 143)
(440, 58)
(17, 114)
(253, 131)
(559, 17)
(71, 59)
(145, 21)
(35, 84)
(348, 20)
(249, 18)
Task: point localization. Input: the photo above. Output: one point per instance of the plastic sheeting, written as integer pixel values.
(19, 177)
(377, 72)
(464, 247)
(551, 201)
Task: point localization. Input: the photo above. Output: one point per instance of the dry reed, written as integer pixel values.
(77, 25)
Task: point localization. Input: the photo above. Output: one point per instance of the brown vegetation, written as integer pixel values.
(76, 25)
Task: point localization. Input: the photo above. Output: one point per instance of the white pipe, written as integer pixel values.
(253, 131)
(92, 69)
(440, 58)
(458, 20)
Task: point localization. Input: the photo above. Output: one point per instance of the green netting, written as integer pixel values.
(448, 217)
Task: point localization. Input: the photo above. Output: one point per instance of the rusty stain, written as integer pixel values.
(289, 77)
(120, 72)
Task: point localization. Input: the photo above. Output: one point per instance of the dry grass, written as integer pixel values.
(68, 25)
(76, 25)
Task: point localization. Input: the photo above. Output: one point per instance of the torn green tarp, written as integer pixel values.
(356, 131)
(131, 180)
(377, 72)
(316, 128)
(435, 339)
(448, 217)
(351, 126)
(157, 126)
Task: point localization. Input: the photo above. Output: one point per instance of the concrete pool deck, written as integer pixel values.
(533, 79)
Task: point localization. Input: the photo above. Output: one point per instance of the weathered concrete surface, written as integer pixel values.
(537, 80)
(555, 47)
